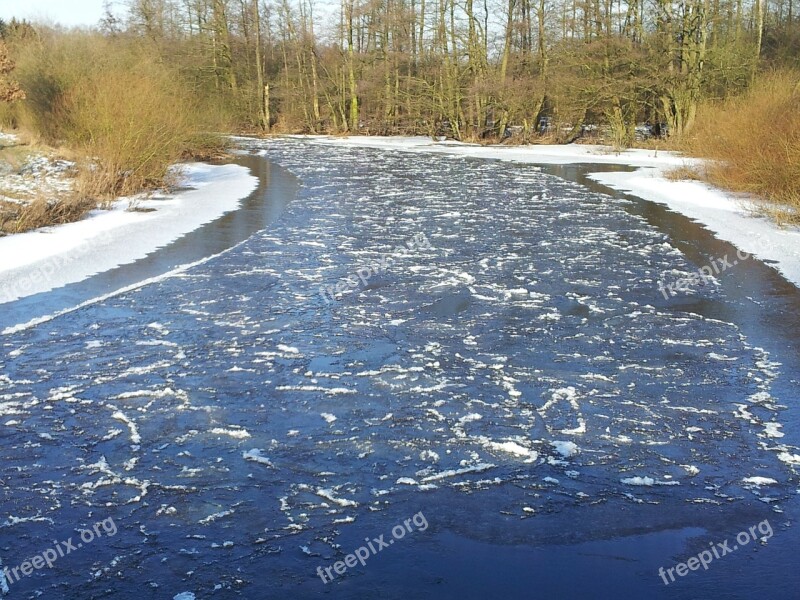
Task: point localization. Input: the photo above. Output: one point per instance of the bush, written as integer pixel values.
(125, 114)
(753, 141)
(130, 123)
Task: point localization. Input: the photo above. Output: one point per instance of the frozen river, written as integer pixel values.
(477, 349)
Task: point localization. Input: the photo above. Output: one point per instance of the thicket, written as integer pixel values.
(753, 142)
(123, 114)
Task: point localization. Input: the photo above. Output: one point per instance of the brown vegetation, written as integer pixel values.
(753, 141)
(126, 115)
(42, 212)
(10, 90)
(29, 200)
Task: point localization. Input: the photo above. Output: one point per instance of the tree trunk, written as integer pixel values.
(263, 90)
(759, 18)
(351, 73)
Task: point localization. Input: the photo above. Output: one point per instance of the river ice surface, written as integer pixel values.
(234, 421)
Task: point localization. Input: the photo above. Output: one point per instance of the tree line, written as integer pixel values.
(148, 85)
(465, 68)
(468, 69)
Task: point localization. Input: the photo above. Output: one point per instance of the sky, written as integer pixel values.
(64, 12)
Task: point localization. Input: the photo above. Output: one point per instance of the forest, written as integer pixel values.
(147, 84)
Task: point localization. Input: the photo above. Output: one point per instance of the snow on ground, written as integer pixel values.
(39, 176)
(48, 258)
(728, 216)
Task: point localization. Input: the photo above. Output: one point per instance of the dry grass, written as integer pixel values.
(42, 212)
(30, 201)
(686, 173)
(208, 147)
(753, 142)
(15, 156)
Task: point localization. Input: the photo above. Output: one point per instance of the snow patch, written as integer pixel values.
(759, 481)
(240, 434)
(646, 481)
(49, 258)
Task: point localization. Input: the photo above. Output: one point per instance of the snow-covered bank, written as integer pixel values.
(726, 215)
(42, 260)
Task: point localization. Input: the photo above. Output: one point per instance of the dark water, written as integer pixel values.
(511, 382)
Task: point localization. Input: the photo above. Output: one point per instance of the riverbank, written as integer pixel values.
(51, 257)
(37, 186)
(730, 217)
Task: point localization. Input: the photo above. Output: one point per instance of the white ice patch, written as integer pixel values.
(314, 388)
(288, 349)
(135, 437)
(470, 418)
(429, 455)
(759, 481)
(789, 458)
(772, 430)
(646, 481)
(216, 516)
(565, 449)
(479, 468)
(570, 396)
(255, 455)
(239, 434)
(162, 393)
(513, 448)
(12, 520)
(328, 494)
